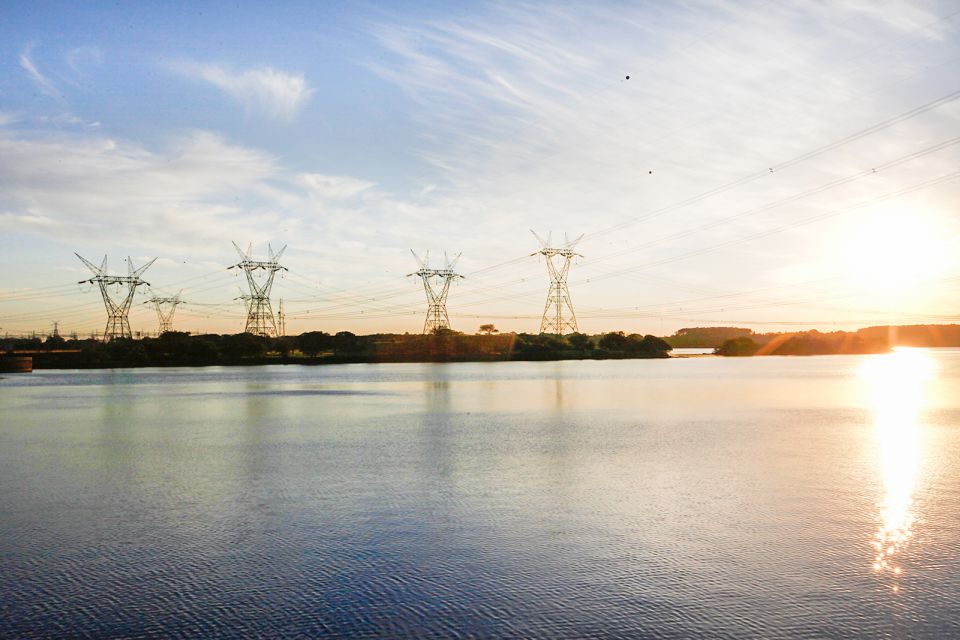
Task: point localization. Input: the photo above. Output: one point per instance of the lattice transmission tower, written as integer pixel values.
(260, 318)
(118, 308)
(165, 307)
(558, 315)
(436, 284)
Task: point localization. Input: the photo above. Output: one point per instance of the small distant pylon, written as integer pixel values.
(260, 320)
(558, 315)
(281, 320)
(166, 307)
(118, 311)
(436, 284)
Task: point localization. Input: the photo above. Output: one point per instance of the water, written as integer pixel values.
(764, 497)
(691, 351)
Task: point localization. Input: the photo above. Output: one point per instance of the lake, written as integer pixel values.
(762, 497)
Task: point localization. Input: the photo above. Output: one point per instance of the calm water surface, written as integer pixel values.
(765, 497)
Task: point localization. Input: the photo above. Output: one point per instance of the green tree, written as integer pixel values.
(579, 341)
(614, 341)
(344, 342)
(313, 342)
(653, 344)
(243, 345)
(203, 349)
(742, 346)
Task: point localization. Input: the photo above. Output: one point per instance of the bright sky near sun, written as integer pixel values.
(774, 165)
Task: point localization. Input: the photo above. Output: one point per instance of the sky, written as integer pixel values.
(775, 165)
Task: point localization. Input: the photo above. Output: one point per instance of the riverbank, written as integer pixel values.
(179, 349)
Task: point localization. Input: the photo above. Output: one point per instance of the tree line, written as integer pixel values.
(177, 348)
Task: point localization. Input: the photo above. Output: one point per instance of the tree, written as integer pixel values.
(488, 329)
(579, 341)
(613, 341)
(742, 346)
(313, 342)
(175, 344)
(54, 342)
(542, 346)
(283, 345)
(653, 344)
(204, 349)
(634, 345)
(344, 342)
(243, 345)
(706, 336)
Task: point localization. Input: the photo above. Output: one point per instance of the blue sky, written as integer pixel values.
(355, 132)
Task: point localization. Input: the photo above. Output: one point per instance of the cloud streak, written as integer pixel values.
(44, 84)
(190, 197)
(533, 111)
(102, 187)
(275, 94)
(79, 57)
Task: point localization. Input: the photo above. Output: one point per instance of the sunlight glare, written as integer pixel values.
(897, 381)
(894, 252)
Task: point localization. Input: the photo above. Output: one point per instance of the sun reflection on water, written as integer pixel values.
(897, 381)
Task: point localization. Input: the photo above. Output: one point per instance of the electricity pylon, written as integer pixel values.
(260, 320)
(166, 307)
(436, 284)
(118, 311)
(558, 315)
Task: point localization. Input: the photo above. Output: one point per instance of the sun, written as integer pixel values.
(893, 252)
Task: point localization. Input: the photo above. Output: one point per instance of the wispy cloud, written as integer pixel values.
(276, 94)
(194, 193)
(44, 84)
(580, 117)
(79, 57)
(67, 119)
(532, 111)
(101, 186)
(337, 187)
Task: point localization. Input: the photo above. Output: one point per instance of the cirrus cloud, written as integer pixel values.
(276, 94)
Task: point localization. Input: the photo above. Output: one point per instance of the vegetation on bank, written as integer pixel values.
(806, 343)
(705, 337)
(867, 340)
(738, 341)
(316, 347)
(578, 346)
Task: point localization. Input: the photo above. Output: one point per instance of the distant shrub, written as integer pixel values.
(742, 346)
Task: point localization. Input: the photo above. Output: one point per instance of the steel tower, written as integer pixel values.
(558, 315)
(118, 310)
(260, 319)
(436, 284)
(165, 307)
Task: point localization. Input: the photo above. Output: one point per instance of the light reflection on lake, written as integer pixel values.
(691, 497)
(898, 382)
